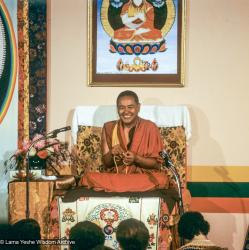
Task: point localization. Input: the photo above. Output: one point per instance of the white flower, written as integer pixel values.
(32, 152)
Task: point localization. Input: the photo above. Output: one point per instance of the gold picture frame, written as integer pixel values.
(131, 45)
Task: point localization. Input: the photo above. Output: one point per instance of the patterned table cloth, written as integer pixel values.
(107, 212)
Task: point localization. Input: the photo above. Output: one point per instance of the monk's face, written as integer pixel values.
(128, 110)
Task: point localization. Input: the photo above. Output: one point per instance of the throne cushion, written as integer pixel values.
(88, 149)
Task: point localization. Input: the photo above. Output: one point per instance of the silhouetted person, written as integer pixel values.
(101, 247)
(6, 232)
(194, 228)
(5, 235)
(86, 235)
(132, 234)
(27, 229)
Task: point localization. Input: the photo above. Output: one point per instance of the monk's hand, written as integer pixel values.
(129, 158)
(117, 150)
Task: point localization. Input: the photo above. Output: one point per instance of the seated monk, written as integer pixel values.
(131, 144)
(138, 19)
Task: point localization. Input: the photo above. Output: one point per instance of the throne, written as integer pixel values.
(173, 122)
(107, 209)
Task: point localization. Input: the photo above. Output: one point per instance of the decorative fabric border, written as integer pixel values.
(107, 212)
(23, 83)
(37, 67)
(32, 89)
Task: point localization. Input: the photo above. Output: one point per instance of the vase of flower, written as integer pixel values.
(21, 165)
(37, 163)
(39, 151)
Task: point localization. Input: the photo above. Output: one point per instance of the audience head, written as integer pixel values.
(101, 247)
(27, 229)
(132, 234)
(6, 231)
(192, 224)
(86, 235)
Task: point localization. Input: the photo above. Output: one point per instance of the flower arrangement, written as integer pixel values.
(61, 162)
(42, 149)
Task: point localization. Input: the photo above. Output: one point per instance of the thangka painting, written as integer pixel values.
(136, 42)
(8, 60)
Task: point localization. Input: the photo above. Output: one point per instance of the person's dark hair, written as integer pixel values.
(128, 93)
(86, 235)
(27, 229)
(206, 248)
(132, 234)
(101, 247)
(6, 231)
(191, 224)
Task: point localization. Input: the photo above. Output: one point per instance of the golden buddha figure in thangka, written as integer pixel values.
(137, 26)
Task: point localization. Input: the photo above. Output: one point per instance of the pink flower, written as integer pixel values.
(40, 144)
(25, 144)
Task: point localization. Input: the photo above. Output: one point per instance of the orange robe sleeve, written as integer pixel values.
(147, 140)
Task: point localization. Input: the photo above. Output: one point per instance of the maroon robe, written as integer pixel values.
(146, 142)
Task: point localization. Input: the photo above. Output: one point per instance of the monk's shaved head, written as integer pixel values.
(128, 93)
